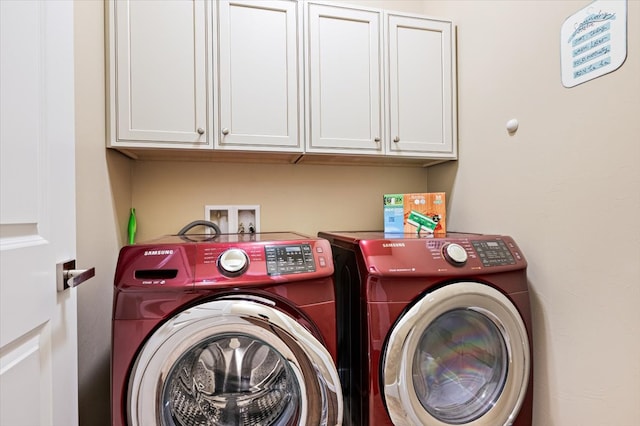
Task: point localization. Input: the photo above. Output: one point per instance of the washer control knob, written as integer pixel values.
(455, 254)
(233, 262)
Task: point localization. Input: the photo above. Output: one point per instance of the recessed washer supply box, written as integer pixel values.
(421, 213)
(233, 219)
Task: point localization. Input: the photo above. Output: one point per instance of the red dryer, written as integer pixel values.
(438, 329)
(231, 329)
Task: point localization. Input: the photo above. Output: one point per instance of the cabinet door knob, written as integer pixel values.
(200, 131)
(376, 139)
(225, 131)
(396, 139)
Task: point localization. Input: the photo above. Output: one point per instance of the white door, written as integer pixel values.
(38, 341)
(344, 80)
(260, 72)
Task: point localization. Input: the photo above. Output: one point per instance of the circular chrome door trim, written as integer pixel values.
(400, 395)
(309, 360)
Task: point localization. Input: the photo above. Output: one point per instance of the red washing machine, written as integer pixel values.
(231, 329)
(442, 326)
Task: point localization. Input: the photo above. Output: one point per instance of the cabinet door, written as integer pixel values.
(260, 71)
(344, 85)
(159, 73)
(421, 91)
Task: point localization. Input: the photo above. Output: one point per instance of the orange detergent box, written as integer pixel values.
(415, 213)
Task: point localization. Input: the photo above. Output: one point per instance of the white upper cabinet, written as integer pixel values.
(260, 74)
(159, 73)
(344, 83)
(349, 61)
(421, 89)
(301, 81)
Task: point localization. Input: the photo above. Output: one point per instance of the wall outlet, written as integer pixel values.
(238, 219)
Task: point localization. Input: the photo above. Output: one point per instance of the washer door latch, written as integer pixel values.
(68, 276)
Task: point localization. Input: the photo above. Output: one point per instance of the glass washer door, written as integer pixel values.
(233, 362)
(460, 355)
(231, 379)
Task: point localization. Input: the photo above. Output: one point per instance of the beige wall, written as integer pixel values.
(566, 186)
(302, 198)
(571, 170)
(103, 196)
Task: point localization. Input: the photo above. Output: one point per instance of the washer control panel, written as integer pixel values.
(227, 260)
(493, 253)
(289, 259)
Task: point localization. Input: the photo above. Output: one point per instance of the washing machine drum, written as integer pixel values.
(460, 355)
(233, 362)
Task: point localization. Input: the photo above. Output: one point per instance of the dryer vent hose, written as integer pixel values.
(195, 223)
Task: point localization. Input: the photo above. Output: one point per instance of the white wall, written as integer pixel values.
(566, 186)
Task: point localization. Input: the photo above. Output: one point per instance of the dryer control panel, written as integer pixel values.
(460, 254)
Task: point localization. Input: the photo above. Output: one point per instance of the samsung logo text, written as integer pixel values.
(157, 252)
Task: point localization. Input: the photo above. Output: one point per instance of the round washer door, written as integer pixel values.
(460, 355)
(232, 362)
